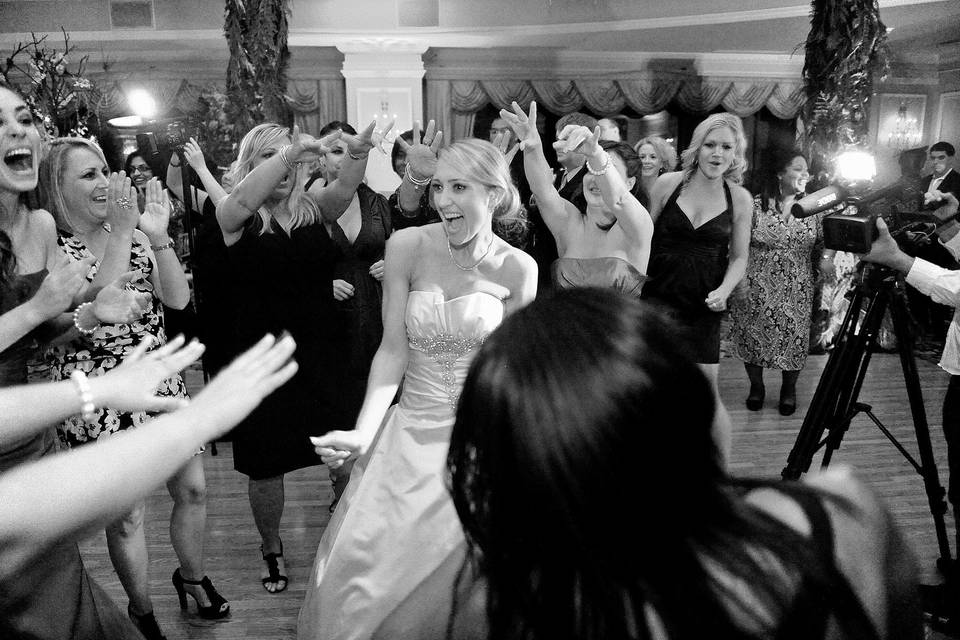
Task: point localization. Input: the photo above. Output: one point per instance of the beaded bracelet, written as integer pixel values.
(76, 320)
(417, 182)
(88, 410)
(160, 247)
(602, 170)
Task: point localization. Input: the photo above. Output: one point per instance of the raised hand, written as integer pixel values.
(342, 290)
(524, 126)
(230, 396)
(422, 154)
(156, 212)
(60, 287)
(306, 148)
(194, 155)
(122, 210)
(132, 386)
(579, 139)
(361, 144)
(115, 304)
(337, 447)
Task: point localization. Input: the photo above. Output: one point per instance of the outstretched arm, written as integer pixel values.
(632, 217)
(335, 197)
(249, 195)
(553, 208)
(94, 485)
(390, 361)
(194, 157)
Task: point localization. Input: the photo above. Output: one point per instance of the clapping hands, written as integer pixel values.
(60, 287)
(122, 210)
(156, 211)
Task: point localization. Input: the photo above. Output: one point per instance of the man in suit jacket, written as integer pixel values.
(944, 178)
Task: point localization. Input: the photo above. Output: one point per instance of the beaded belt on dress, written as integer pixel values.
(446, 349)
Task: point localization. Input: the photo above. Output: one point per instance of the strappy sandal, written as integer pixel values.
(273, 569)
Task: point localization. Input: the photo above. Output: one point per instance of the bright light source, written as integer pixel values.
(126, 122)
(856, 166)
(142, 103)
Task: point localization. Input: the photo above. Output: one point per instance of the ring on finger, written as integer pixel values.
(124, 202)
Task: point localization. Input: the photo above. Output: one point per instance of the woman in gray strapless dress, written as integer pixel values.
(607, 246)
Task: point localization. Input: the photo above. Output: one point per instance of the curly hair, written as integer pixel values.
(717, 121)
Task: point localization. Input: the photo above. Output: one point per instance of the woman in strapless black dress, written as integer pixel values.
(700, 240)
(607, 246)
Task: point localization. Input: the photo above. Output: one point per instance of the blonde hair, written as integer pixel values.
(52, 169)
(303, 209)
(717, 121)
(664, 150)
(484, 163)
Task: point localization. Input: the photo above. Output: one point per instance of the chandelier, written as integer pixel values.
(905, 133)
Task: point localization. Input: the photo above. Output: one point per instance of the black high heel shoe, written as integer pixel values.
(273, 570)
(218, 608)
(146, 624)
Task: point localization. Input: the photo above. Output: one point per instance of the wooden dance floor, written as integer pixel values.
(761, 443)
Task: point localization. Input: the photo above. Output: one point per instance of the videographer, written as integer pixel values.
(943, 286)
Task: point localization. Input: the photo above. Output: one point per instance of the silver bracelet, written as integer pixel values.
(76, 320)
(416, 182)
(286, 161)
(160, 247)
(602, 170)
(88, 410)
(356, 157)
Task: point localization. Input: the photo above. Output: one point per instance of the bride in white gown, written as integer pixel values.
(446, 287)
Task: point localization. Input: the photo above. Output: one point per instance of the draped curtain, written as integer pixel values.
(454, 103)
(314, 102)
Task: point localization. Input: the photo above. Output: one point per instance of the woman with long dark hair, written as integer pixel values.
(770, 324)
(446, 287)
(565, 434)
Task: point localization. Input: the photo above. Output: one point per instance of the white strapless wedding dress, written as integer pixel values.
(396, 523)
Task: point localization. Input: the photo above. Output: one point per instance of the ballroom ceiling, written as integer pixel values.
(193, 27)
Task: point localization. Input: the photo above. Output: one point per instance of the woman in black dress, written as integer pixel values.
(360, 234)
(283, 260)
(701, 239)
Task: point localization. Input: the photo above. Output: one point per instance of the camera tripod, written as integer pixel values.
(834, 403)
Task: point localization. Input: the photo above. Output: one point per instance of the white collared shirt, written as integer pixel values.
(936, 182)
(943, 287)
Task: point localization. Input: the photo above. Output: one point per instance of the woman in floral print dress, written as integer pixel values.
(89, 208)
(770, 325)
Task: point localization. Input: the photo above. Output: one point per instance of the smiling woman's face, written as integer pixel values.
(465, 205)
(84, 188)
(19, 144)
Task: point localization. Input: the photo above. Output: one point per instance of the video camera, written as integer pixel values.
(163, 137)
(851, 224)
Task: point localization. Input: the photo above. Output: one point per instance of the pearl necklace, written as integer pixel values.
(476, 264)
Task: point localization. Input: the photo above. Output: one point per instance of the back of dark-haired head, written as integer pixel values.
(580, 410)
(406, 136)
(630, 158)
(337, 125)
(775, 160)
(944, 146)
(577, 118)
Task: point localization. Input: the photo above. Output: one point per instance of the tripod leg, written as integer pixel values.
(838, 374)
(931, 479)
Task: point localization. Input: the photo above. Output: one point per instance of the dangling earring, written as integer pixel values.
(661, 170)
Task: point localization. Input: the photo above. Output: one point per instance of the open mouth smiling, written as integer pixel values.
(20, 159)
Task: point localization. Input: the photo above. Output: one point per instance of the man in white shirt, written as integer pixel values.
(943, 286)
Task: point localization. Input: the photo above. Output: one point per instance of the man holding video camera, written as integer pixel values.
(943, 286)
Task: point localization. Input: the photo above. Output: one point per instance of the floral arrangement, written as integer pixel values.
(63, 100)
(218, 135)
